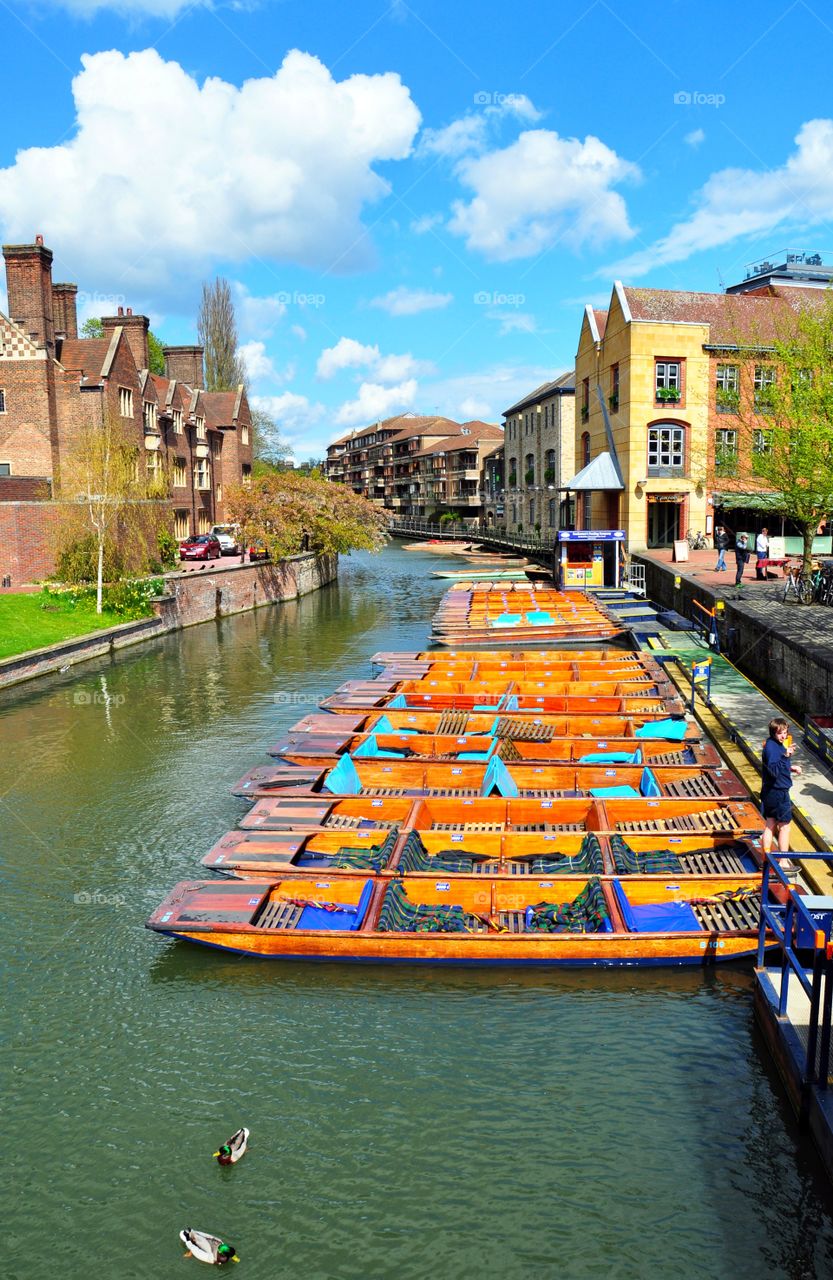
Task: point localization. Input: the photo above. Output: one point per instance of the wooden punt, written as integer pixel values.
(550, 921)
(308, 749)
(304, 813)
(407, 777)
(270, 855)
(610, 657)
(513, 726)
(641, 706)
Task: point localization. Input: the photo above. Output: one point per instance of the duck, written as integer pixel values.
(231, 1151)
(205, 1248)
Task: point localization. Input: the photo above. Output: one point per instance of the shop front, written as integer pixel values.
(589, 558)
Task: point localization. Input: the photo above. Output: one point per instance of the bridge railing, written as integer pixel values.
(497, 535)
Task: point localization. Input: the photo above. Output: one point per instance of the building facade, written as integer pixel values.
(54, 384)
(539, 458)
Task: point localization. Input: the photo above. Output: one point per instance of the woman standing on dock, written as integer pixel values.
(777, 776)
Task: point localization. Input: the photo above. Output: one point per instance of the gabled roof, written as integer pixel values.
(564, 384)
(218, 407)
(600, 474)
(85, 355)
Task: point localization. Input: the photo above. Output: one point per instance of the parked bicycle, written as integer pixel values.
(696, 540)
(799, 585)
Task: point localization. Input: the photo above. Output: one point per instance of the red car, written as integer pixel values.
(204, 546)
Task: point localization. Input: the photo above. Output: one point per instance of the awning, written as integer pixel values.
(598, 475)
(751, 501)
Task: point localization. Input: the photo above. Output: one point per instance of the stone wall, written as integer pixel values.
(786, 649)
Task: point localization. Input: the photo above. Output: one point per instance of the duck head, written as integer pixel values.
(226, 1253)
(223, 1156)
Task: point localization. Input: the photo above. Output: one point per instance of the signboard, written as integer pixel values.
(701, 670)
(591, 535)
(681, 550)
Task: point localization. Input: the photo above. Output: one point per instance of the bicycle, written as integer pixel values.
(696, 541)
(800, 584)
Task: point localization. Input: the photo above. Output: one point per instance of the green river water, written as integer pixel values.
(405, 1123)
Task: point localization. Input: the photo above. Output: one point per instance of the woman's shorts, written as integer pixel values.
(777, 805)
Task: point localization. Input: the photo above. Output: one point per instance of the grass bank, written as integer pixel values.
(25, 623)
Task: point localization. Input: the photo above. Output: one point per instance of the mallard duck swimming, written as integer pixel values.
(207, 1248)
(231, 1151)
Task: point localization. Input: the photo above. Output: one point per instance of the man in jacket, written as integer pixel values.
(721, 542)
(741, 556)
(761, 552)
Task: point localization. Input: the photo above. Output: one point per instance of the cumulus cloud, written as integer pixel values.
(471, 408)
(260, 367)
(374, 402)
(513, 321)
(280, 168)
(749, 202)
(695, 138)
(350, 354)
(421, 226)
(410, 302)
(486, 393)
(541, 189)
(472, 131)
(293, 413)
(256, 314)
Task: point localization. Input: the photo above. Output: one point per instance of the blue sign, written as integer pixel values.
(701, 670)
(591, 535)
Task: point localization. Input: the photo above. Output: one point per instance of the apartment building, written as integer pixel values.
(53, 384)
(539, 455)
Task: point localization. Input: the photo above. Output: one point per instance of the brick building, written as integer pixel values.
(53, 383)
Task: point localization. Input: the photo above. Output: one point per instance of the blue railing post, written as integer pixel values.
(812, 1032)
(786, 963)
(827, 1009)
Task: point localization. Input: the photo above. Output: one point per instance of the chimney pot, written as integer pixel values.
(39, 240)
(121, 311)
(130, 311)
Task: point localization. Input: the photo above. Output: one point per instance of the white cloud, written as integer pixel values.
(375, 402)
(486, 393)
(695, 138)
(280, 168)
(350, 354)
(260, 367)
(256, 314)
(299, 331)
(541, 189)
(410, 302)
(473, 130)
(513, 321)
(293, 413)
(472, 408)
(748, 202)
(428, 221)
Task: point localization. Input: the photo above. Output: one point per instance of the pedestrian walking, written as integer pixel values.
(762, 553)
(741, 556)
(776, 779)
(721, 542)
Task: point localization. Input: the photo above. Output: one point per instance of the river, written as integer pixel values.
(404, 1123)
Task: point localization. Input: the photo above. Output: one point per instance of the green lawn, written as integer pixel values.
(24, 624)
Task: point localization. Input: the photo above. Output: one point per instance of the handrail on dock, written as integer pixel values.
(793, 926)
(708, 622)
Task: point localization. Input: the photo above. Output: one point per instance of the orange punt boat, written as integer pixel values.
(549, 921)
(538, 728)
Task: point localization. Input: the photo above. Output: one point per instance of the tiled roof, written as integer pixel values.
(735, 319)
(457, 442)
(564, 382)
(601, 321)
(219, 408)
(85, 354)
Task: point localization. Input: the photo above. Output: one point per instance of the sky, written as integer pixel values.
(412, 202)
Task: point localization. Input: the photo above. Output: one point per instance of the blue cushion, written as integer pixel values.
(655, 917)
(648, 785)
(669, 730)
(507, 620)
(620, 793)
(346, 917)
(612, 757)
(344, 779)
(539, 618)
(511, 703)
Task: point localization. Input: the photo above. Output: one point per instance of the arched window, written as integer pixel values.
(529, 468)
(549, 466)
(585, 448)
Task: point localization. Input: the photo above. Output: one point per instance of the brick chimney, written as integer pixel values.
(64, 310)
(135, 330)
(29, 286)
(185, 364)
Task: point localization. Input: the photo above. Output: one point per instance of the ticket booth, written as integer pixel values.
(589, 558)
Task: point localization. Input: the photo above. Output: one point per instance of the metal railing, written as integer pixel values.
(705, 620)
(795, 929)
(495, 535)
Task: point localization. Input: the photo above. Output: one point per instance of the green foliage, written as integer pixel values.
(288, 512)
(92, 328)
(268, 447)
(168, 549)
(128, 599)
(77, 560)
(447, 518)
(156, 357)
(217, 329)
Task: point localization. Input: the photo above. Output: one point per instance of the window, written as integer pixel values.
(203, 522)
(152, 465)
(247, 475)
(200, 425)
(531, 512)
(551, 513)
(219, 492)
(726, 452)
(202, 475)
(180, 524)
(177, 418)
(244, 434)
(549, 466)
(2, 400)
(761, 447)
(585, 449)
(668, 381)
(727, 388)
(764, 383)
(513, 472)
(180, 475)
(150, 416)
(5, 468)
(216, 445)
(585, 400)
(125, 402)
(666, 451)
(614, 387)
(529, 469)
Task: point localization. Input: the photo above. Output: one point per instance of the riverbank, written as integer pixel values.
(189, 597)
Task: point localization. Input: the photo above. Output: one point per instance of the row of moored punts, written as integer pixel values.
(511, 807)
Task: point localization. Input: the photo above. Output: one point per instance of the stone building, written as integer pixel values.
(539, 436)
(53, 384)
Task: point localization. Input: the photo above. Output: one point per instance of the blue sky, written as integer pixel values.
(413, 201)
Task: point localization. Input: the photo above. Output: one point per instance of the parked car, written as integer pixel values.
(226, 535)
(203, 546)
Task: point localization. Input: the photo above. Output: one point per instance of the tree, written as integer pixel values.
(217, 329)
(267, 444)
(112, 500)
(786, 446)
(289, 513)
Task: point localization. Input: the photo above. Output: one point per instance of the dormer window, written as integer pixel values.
(199, 423)
(177, 421)
(150, 417)
(244, 434)
(125, 402)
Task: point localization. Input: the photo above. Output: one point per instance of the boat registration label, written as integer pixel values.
(456, 838)
(323, 884)
(376, 804)
(442, 886)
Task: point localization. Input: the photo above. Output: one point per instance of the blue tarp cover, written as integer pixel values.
(498, 778)
(346, 917)
(655, 917)
(539, 618)
(668, 730)
(507, 620)
(343, 780)
(648, 785)
(616, 793)
(612, 757)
